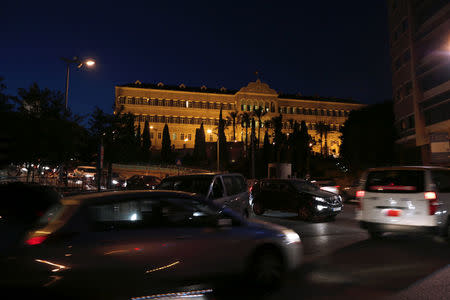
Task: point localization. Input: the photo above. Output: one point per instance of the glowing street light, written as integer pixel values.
(79, 63)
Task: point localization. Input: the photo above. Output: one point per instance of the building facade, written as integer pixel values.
(185, 108)
(420, 55)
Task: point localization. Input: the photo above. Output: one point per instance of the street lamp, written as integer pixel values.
(218, 150)
(79, 63)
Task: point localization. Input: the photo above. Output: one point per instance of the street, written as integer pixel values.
(341, 261)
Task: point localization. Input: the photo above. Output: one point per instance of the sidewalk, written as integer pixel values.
(435, 286)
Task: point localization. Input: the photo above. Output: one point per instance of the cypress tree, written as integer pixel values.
(146, 142)
(165, 148)
(201, 144)
(222, 141)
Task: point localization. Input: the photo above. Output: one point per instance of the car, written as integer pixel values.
(144, 182)
(228, 189)
(295, 195)
(126, 243)
(117, 181)
(405, 199)
(87, 172)
(349, 191)
(21, 206)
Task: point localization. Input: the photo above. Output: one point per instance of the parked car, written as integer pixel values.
(142, 182)
(295, 195)
(229, 190)
(405, 199)
(21, 206)
(123, 244)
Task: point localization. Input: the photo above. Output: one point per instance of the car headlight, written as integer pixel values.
(115, 182)
(290, 236)
(321, 207)
(320, 199)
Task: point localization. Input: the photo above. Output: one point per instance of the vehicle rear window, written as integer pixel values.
(395, 181)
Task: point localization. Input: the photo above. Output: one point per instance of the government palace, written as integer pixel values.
(184, 108)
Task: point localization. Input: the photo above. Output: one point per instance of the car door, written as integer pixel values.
(286, 197)
(267, 194)
(217, 192)
(232, 199)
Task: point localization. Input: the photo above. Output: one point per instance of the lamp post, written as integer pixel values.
(79, 63)
(218, 150)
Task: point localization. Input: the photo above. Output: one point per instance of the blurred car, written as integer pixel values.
(295, 195)
(349, 191)
(329, 185)
(123, 244)
(118, 181)
(405, 199)
(21, 206)
(142, 182)
(228, 190)
(87, 172)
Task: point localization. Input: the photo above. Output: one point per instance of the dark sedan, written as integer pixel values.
(293, 195)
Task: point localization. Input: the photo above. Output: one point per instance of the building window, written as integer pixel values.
(189, 136)
(211, 138)
(328, 112)
(174, 136)
(182, 136)
(272, 107)
(159, 135)
(151, 135)
(204, 105)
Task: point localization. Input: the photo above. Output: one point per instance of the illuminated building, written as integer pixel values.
(185, 108)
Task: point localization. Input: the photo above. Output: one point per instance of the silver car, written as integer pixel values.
(125, 243)
(228, 190)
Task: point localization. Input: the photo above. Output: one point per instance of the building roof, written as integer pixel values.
(252, 87)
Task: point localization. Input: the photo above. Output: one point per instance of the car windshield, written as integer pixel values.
(194, 184)
(304, 186)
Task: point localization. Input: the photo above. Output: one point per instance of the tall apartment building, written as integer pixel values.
(185, 108)
(420, 52)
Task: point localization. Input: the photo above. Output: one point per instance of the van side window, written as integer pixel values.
(442, 180)
(231, 189)
(217, 189)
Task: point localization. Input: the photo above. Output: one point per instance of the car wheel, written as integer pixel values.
(267, 269)
(258, 209)
(375, 235)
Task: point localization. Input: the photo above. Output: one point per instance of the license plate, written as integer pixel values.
(393, 213)
(336, 208)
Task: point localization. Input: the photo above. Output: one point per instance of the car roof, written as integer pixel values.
(284, 179)
(211, 174)
(408, 168)
(104, 197)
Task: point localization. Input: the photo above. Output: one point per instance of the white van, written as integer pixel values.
(405, 199)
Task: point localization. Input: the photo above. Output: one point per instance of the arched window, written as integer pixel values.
(272, 107)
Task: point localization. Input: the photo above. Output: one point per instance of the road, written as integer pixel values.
(341, 261)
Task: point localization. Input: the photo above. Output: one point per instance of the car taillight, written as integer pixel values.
(432, 202)
(250, 189)
(360, 194)
(36, 240)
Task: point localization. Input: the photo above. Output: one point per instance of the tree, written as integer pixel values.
(368, 137)
(245, 123)
(5, 105)
(232, 117)
(279, 137)
(200, 144)
(146, 142)
(166, 149)
(138, 135)
(222, 140)
(259, 113)
(267, 149)
(323, 130)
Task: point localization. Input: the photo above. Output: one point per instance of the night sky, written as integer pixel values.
(326, 48)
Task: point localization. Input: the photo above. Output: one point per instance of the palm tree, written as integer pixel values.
(232, 117)
(259, 113)
(245, 122)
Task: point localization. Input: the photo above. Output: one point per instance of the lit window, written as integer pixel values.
(159, 135)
